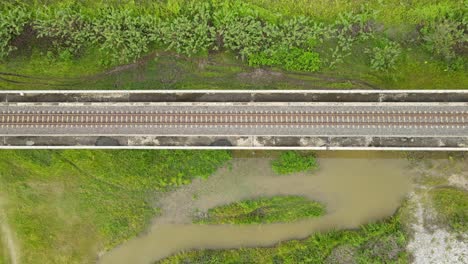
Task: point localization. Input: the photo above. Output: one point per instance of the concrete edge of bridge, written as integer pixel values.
(237, 142)
(61, 96)
(461, 91)
(244, 148)
(260, 104)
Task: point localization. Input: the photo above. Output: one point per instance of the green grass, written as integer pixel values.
(39, 64)
(66, 206)
(293, 161)
(389, 12)
(381, 242)
(451, 205)
(264, 210)
(169, 72)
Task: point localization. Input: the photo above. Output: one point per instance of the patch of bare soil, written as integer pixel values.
(433, 244)
(260, 75)
(430, 242)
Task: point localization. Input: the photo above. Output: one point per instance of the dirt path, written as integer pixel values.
(430, 242)
(433, 246)
(7, 235)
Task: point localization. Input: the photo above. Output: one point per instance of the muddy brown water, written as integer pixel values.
(355, 190)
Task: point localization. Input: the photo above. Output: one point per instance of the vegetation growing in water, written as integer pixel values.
(65, 206)
(381, 242)
(293, 161)
(451, 205)
(264, 210)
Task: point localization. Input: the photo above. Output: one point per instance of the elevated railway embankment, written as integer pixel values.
(412, 120)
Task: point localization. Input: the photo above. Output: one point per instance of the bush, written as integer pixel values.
(296, 32)
(190, 33)
(12, 21)
(68, 28)
(291, 161)
(122, 35)
(384, 58)
(247, 35)
(443, 38)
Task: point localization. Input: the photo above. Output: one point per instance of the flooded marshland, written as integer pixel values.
(355, 190)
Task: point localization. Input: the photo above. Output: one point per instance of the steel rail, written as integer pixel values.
(226, 118)
(240, 114)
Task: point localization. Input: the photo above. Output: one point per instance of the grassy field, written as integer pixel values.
(386, 44)
(67, 206)
(264, 210)
(381, 242)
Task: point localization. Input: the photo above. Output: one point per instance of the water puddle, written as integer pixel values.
(355, 190)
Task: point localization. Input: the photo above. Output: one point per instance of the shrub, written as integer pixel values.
(296, 32)
(190, 33)
(346, 30)
(247, 35)
(384, 58)
(292, 161)
(122, 35)
(444, 37)
(68, 28)
(12, 21)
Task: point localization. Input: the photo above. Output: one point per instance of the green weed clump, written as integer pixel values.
(385, 58)
(293, 59)
(264, 210)
(451, 205)
(293, 161)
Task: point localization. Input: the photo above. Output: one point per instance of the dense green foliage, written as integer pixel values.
(123, 35)
(403, 44)
(264, 210)
(382, 242)
(451, 205)
(293, 161)
(66, 27)
(12, 22)
(190, 33)
(65, 206)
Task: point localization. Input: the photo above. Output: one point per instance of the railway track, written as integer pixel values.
(19, 119)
